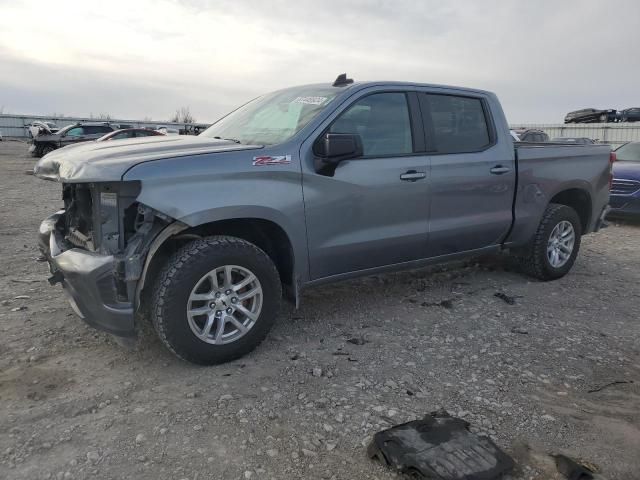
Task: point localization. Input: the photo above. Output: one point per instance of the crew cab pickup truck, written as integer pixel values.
(307, 185)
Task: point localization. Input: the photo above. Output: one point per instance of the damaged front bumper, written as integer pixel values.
(88, 280)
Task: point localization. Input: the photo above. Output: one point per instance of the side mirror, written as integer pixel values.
(333, 148)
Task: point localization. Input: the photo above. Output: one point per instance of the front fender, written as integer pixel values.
(209, 188)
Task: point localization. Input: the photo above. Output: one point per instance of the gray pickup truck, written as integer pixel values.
(307, 185)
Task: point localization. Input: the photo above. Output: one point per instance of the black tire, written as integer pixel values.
(46, 149)
(535, 261)
(180, 275)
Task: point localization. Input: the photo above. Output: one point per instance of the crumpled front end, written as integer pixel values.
(41, 135)
(96, 247)
(87, 279)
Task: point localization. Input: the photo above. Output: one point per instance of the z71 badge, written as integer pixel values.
(271, 160)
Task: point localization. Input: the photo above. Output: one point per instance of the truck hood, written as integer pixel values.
(108, 161)
(626, 170)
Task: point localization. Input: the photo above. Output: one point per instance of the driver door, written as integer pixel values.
(373, 210)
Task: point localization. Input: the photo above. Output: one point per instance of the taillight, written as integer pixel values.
(612, 159)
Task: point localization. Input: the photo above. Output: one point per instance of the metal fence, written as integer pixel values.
(611, 133)
(15, 125)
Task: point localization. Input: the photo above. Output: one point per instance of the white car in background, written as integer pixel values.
(37, 127)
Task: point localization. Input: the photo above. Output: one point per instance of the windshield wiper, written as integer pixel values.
(234, 140)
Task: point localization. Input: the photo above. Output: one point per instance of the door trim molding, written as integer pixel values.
(413, 264)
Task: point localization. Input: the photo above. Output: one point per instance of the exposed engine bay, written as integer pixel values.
(105, 218)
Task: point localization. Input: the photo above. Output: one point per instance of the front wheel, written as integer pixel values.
(216, 299)
(554, 247)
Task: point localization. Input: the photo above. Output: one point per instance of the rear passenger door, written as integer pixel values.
(472, 176)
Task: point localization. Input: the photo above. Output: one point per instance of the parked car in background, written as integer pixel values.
(531, 135)
(194, 129)
(577, 140)
(129, 133)
(625, 187)
(300, 187)
(47, 141)
(38, 127)
(0, 136)
(629, 115)
(591, 115)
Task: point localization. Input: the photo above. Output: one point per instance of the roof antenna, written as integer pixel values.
(342, 80)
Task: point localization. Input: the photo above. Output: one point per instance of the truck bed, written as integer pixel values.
(546, 169)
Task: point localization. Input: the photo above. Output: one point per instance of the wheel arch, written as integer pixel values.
(266, 234)
(580, 200)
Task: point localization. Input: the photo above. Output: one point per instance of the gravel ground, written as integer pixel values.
(357, 357)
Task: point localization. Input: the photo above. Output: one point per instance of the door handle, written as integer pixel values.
(499, 170)
(412, 176)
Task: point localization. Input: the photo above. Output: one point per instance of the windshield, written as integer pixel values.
(629, 152)
(273, 118)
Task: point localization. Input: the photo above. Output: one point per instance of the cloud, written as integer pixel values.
(146, 58)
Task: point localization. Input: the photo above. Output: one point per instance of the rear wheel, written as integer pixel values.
(216, 299)
(555, 245)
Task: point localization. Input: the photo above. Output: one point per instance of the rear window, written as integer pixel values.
(144, 133)
(458, 123)
(122, 135)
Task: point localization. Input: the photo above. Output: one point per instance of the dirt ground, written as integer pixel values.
(356, 358)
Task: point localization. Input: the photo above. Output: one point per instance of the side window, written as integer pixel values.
(459, 123)
(75, 132)
(382, 121)
(96, 129)
(142, 133)
(122, 135)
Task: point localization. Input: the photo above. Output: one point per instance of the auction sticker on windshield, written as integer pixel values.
(310, 100)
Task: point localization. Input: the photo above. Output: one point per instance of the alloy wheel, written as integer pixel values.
(224, 304)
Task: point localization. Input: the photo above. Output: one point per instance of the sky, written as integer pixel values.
(142, 59)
